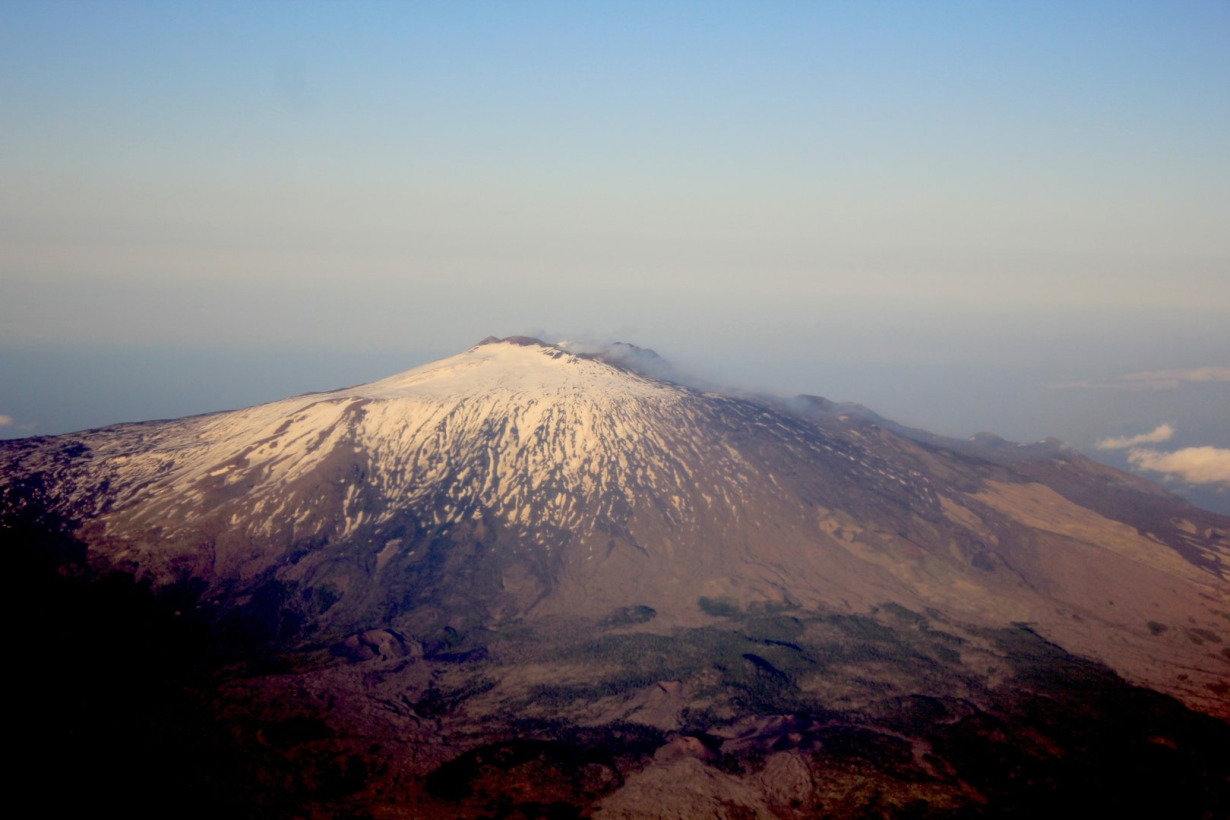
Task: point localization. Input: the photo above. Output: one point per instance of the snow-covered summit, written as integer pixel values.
(538, 436)
(513, 366)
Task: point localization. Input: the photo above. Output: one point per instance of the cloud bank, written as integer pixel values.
(1197, 465)
(1163, 432)
(5, 420)
(1157, 379)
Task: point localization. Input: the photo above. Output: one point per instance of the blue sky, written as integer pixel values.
(940, 209)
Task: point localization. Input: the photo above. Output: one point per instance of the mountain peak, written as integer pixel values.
(641, 361)
(515, 366)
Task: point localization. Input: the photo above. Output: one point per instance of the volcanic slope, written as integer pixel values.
(520, 480)
(530, 582)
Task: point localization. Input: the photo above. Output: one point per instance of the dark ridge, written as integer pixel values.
(522, 341)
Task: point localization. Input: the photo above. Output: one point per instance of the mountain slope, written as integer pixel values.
(456, 517)
(534, 481)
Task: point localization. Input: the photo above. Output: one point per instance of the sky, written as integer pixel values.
(1002, 216)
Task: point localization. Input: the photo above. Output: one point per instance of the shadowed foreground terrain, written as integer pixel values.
(128, 703)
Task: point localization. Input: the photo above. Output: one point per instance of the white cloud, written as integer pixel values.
(5, 420)
(1157, 379)
(1162, 432)
(1197, 465)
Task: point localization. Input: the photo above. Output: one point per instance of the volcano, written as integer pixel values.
(528, 579)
